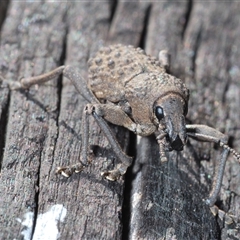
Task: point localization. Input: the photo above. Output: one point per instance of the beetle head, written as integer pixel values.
(170, 111)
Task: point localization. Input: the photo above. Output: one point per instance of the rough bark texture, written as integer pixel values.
(40, 127)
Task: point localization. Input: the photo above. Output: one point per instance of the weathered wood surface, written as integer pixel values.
(205, 53)
(40, 128)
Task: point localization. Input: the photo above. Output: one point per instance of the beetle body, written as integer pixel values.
(129, 88)
(127, 77)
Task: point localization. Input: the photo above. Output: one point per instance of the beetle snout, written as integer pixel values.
(176, 133)
(177, 144)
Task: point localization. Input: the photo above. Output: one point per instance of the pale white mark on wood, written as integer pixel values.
(170, 234)
(149, 205)
(47, 223)
(27, 224)
(138, 139)
(136, 199)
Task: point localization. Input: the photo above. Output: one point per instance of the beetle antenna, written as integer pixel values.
(161, 142)
(231, 150)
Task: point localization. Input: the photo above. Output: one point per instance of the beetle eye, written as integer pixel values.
(159, 113)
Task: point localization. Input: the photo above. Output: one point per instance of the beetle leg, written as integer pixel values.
(112, 114)
(99, 112)
(67, 171)
(115, 114)
(79, 83)
(164, 59)
(208, 134)
(69, 72)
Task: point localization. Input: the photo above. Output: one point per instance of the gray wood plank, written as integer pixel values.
(167, 200)
(93, 204)
(31, 125)
(84, 206)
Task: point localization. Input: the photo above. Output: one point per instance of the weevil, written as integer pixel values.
(129, 88)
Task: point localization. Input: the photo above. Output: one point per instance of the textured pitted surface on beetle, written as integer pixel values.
(120, 74)
(114, 70)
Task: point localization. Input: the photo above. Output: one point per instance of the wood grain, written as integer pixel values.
(40, 127)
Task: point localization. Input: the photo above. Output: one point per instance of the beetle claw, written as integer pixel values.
(111, 175)
(69, 170)
(115, 174)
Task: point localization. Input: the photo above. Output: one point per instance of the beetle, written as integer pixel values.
(129, 88)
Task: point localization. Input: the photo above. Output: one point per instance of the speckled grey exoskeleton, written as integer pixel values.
(129, 88)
